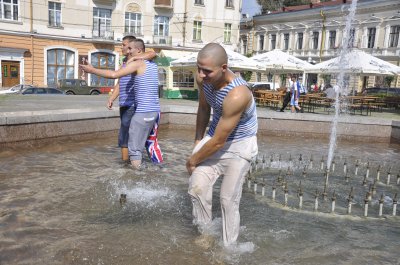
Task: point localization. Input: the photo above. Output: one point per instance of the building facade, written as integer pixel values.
(44, 41)
(315, 33)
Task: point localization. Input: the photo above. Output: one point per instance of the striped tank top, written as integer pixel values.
(247, 125)
(126, 90)
(146, 89)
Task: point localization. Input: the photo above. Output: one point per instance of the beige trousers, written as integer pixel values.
(233, 162)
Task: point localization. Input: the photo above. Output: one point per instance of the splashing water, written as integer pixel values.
(342, 86)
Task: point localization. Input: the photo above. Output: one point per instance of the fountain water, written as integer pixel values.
(61, 205)
(341, 87)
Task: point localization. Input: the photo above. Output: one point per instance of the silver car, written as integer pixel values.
(15, 89)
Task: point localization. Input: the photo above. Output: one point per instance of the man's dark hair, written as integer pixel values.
(130, 38)
(139, 43)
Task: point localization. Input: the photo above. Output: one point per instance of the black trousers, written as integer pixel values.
(286, 101)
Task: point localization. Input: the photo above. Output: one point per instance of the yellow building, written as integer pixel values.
(44, 41)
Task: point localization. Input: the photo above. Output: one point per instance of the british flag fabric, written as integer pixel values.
(152, 146)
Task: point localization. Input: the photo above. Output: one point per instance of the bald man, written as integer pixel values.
(229, 145)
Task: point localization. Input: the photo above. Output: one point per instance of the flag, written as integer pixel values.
(152, 146)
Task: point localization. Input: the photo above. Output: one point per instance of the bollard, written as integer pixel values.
(388, 176)
(394, 204)
(366, 205)
(345, 166)
(378, 173)
(333, 166)
(300, 195)
(263, 162)
(273, 192)
(356, 170)
(364, 183)
(255, 186)
(263, 187)
(398, 179)
(349, 201)
(367, 173)
(304, 172)
(286, 190)
(316, 200)
(311, 162)
(381, 205)
(322, 163)
(333, 199)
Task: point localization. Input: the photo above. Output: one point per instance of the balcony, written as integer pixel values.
(163, 4)
(162, 40)
(103, 34)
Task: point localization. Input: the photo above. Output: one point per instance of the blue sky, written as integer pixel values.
(250, 7)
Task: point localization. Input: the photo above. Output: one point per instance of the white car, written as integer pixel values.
(15, 89)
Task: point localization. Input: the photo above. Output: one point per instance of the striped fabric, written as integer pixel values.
(152, 147)
(146, 89)
(126, 88)
(247, 125)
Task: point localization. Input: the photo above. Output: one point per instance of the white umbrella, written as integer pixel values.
(356, 62)
(236, 61)
(280, 61)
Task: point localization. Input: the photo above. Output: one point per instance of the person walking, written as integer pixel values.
(229, 145)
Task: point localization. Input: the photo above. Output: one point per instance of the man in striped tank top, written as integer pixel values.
(229, 145)
(144, 81)
(124, 90)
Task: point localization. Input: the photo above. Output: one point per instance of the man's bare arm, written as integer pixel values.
(234, 104)
(131, 68)
(148, 55)
(203, 116)
(113, 96)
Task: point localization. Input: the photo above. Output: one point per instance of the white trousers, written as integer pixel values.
(233, 162)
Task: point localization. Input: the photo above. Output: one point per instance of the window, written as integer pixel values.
(183, 78)
(199, 2)
(258, 77)
(54, 14)
(133, 23)
(332, 39)
(273, 41)
(105, 61)
(351, 38)
(9, 9)
(394, 36)
(229, 3)
(101, 22)
(197, 30)
(315, 40)
(161, 26)
(60, 65)
(286, 41)
(261, 42)
(227, 33)
(371, 37)
(244, 46)
(299, 40)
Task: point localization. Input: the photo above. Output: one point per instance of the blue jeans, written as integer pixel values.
(126, 114)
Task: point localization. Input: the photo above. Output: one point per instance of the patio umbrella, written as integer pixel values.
(280, 61)
(356, 62)
(277, 61)
(236, 61)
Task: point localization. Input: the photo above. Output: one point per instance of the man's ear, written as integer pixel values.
(224, 67)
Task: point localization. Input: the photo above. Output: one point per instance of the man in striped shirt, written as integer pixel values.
(146, 101)
(229, 145)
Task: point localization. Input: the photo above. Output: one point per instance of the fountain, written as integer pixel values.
(62, 204)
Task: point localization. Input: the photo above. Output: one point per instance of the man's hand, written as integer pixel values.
(190, 166)
(88, 68)
(110, 103)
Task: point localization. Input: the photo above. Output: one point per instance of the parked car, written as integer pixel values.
(382, 91)
(81, 87)
(263, 86)
(41, 91)
(14, 89)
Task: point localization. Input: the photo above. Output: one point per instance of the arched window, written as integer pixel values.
(105, 61)
(162, 77)
(183, 78)
(60, 65)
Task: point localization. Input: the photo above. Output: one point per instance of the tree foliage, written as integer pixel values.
(272, 5)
